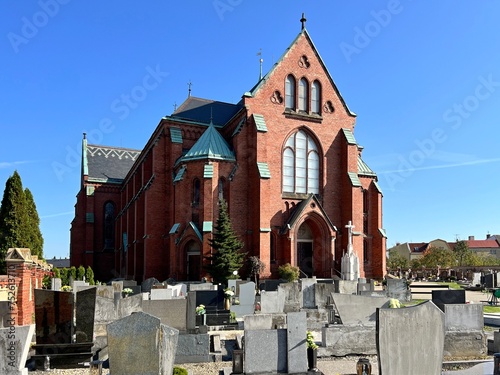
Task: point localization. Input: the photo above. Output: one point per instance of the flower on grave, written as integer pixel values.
(228, 293)
(394, 303)
(200, 310)
(127, 291)
(66, 288)
(310, 341)
(236, 302)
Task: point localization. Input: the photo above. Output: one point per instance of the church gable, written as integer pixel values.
(301, 84)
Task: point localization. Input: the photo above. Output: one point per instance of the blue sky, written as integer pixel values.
(423, 78)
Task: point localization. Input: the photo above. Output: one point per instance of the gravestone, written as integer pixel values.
(452, 296)
(5, 313)
(212, 299)
(53, 316)
(202, 286)
(410, 338)
(193, 348)
(140, 345)
(265, 351)
(323, 294)
(78, 284)
(191, 311)
(271, 285)
(292, 295)
(350, 261)
(346, 286)
(398, 289)
(258, 322)
(308, 294)
(297, 348)
(55, 284)
(161, 294)
(272, 302)
(117, 286)
(340, 340)
(84, 313)
(247, 299)
(476, 279)
(171, 312)
(464, 334)
(129, 283)
(105, 291)
(148, 284)
(178, 290)
(14, 347)
(488, 281)
(358, 310)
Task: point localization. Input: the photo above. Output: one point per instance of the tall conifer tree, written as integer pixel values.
(13, 217)
(35, 235)
(227, 256)
(19, 221)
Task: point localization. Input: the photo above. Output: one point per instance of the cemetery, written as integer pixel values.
(185, 323)
(275, 327)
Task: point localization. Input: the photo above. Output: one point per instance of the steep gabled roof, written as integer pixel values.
(299, 209)
(108, 164)
(364, 169)
(211, 145)
(304, 33)
(206, 111)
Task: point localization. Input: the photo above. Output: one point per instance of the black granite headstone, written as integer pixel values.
(211, 299)
(85, 312)
(446, 297)
(53, 316)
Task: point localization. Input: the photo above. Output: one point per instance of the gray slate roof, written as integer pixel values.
(202, 110)
(109, 164)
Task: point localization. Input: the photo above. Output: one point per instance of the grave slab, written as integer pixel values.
(85, 313)
(53, 316)
(408, 335)
(297, 348)
(154, 346)
(358, 310)
(270, 357)
(14, 347)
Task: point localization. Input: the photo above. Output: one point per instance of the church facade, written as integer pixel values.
(284, 158)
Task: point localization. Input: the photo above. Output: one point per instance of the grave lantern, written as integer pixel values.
(237, 362)
(363, 367)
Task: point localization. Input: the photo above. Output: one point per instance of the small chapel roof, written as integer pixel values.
(211, 145)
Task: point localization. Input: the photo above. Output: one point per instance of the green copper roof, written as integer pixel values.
(378, 187)
(363, 169)
(260, 123)
(354, 179)
(210, 145)
(175, 135)
(263, 170)
(174, 228)
(180, 174)
(382, 232)
(349, 136)
(208, 171)
(239, 126)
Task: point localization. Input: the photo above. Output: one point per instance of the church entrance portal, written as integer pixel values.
(193, 260)
(305, 250)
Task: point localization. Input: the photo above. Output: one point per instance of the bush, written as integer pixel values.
(180, 371)
(288, 272)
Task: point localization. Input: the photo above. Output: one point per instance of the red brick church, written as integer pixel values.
(284, 158)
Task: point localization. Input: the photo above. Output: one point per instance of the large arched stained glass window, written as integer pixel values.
(300, 164)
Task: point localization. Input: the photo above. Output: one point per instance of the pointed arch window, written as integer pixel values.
(303, 95)
(315, 97)
(300, 164)
(109, 226)
(196, 192)
(290, 92)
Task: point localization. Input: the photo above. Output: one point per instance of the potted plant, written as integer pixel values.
(311, 351)
(200, 315)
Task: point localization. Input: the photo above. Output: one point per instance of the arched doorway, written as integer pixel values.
(193, 257)
(305, 242)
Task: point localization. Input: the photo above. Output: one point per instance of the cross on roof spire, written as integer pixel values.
(303, 20)
(189, 88)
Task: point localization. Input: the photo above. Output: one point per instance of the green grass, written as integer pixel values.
(491, 309)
